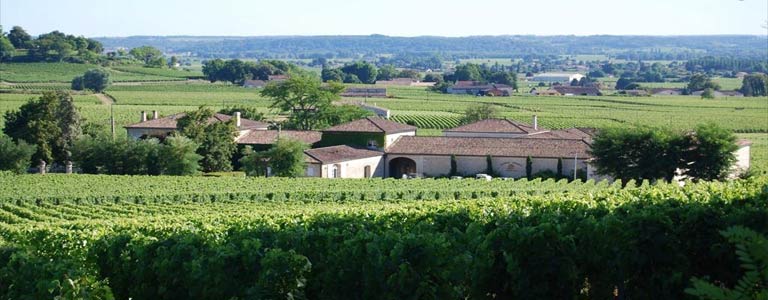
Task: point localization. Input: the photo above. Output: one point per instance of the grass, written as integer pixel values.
(758, 151)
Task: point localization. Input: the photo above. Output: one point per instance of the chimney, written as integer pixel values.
(237, 118)
(143, 116)
(535, 122)
(154, 115)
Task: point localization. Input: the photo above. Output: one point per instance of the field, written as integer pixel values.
(64, 72)
(221, 238)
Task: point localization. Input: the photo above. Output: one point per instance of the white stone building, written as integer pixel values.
(557, 77)
(344, 162)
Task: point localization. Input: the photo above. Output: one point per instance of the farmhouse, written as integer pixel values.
(577, 90)
(344, 161)
(161, 127)
(480, 89)
(365, 92)
(666, 92)
(557, 77)
(370, 132)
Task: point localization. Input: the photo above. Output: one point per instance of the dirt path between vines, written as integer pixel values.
(105, 99)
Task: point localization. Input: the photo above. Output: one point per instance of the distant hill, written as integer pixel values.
(628, 47)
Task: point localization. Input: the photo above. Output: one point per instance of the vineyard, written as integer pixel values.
(210, 238)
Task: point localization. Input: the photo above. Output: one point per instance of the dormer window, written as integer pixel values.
(372, 144)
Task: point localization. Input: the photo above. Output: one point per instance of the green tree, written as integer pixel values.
(708, 93)
(755, 85)
(387, 72)
(364, 71)
(333, 115)
(329, 74)
(216, 140)
(709, 152)
(529, 168)
(752, 251)
(146, 54)
(468, 72)
(6, 49)
(304, 97)
(50, 122)
(179, 156)
(173, 61)
(454, 166)
(96, 80)
(698, 82)
(15, 157)
(19, 37)
(285, 158)
(432, 77)
(479, 112)
(637, 153)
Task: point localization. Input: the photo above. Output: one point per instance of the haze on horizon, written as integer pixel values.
(96, 18)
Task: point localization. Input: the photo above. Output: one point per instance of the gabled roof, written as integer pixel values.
(268, 137)
(334, 154)
(372, 124)
(170, 122)
(496, 126)
(498, 147)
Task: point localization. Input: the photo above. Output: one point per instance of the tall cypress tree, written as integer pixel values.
(529, 168)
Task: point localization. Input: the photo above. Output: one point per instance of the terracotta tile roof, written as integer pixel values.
(500, 147)
(268, 137)
(496, 126)
(372, 124)
(169, 122)
(334, 154)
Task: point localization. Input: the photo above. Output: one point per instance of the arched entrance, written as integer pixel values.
(400, 166)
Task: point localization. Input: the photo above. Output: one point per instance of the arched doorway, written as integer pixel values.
(400, 166)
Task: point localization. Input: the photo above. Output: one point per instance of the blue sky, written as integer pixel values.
(392, 17)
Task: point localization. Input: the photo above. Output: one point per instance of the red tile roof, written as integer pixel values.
(496, 126)
(500, 147)
(169, 122)
(268, 137)
(334, 154)
(372, 124)
(568, 134)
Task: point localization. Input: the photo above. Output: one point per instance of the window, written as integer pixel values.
(310, 171)
(367, 171)
(372, 143)
(335, 171)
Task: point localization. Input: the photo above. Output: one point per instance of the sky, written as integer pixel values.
(98, 18)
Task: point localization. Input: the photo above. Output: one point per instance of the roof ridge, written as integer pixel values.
(375, 124)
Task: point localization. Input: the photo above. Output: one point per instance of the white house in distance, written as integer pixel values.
(160, 127)
(344, 161)
(557, 77)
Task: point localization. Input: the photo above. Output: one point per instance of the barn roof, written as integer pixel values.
(334, 154)
(499, 147)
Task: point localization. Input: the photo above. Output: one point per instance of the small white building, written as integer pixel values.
(161, 127)
(344, 162)
(557, 77)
